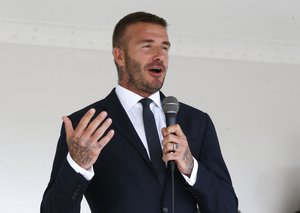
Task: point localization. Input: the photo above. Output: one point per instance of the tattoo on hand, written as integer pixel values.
(81, 155)
(189, 162)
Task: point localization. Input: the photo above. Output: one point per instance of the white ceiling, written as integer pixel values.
(256, 30)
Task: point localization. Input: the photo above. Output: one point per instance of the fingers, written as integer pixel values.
(169, 148)
(102, 143)
(92, 127)
(173, 134)
(175, 147)
(68, 126)
(88, 139)
(171, 155)
(174, 142)
(85, 121)
(173, 129)
(87, 128)
(100, 131)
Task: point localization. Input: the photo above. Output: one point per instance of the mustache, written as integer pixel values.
(155, 64)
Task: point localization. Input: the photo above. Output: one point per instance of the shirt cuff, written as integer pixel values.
(192, 180)
(87, 174)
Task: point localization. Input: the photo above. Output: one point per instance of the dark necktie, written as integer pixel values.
(153, 141)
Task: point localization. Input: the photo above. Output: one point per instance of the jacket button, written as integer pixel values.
(165, 209)
(76, 192)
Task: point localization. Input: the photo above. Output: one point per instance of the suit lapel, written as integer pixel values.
(122, 124)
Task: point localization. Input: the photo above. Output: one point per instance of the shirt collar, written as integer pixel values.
(128, 98)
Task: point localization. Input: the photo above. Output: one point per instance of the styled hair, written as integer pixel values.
(132, 18)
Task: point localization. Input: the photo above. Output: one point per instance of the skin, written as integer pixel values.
(83, 142)
(146, 48)
(143, 62)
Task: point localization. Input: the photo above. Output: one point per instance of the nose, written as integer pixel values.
(160, 53)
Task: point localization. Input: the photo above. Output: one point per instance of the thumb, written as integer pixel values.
(68, 126)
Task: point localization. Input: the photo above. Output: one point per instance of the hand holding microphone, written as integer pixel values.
(175, 144)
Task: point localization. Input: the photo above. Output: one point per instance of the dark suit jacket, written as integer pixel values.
(124, 180)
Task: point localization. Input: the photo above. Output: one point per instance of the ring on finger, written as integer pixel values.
(175, 146)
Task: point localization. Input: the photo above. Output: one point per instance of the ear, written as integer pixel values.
(119, 56)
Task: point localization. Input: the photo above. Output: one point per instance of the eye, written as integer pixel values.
(166, 48)
(146, 46)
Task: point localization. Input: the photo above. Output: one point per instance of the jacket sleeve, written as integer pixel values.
(213, 189)
(66, 187)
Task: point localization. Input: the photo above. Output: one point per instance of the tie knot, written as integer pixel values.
(146, 102)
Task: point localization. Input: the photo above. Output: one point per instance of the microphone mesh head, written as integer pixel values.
(170, 105)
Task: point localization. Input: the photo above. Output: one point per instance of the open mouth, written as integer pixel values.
(155, 70)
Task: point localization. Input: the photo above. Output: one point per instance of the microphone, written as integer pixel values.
(170, 107)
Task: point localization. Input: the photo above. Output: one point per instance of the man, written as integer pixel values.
(104, 153)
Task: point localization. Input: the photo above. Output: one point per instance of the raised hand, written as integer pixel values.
(87, 140)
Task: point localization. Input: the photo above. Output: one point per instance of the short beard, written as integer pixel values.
(134, 71)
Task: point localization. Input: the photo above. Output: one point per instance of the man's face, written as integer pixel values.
(145, 58)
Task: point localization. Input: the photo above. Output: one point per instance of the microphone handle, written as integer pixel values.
(171, 120)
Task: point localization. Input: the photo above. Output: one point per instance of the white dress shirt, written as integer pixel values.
(134, 110)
